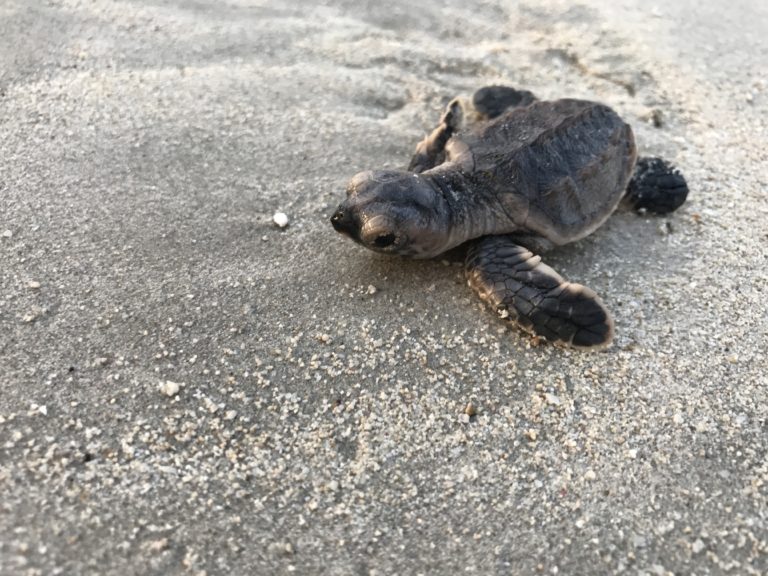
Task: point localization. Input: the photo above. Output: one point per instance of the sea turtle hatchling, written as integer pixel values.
(513, 176)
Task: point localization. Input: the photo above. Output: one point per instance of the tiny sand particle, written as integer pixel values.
(169, 388)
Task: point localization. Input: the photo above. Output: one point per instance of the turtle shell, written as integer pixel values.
(558, 168)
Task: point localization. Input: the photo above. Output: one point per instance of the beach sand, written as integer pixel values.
(187, 388)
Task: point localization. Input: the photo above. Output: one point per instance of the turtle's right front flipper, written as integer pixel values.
(515, 283)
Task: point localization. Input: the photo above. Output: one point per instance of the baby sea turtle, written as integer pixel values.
(513, 177)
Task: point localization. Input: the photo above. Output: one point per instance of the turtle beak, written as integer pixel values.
(344, 221)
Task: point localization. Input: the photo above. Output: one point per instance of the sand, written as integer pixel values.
(188, 388)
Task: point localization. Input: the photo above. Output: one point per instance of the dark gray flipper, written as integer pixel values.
(430, 152)
(534, 243)
(656, 186)
(493, 101)
(515, 283)
(489, 102)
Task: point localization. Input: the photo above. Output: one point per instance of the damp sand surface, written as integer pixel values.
(192, 384)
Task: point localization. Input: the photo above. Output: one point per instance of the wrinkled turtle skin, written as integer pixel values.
(513, 177)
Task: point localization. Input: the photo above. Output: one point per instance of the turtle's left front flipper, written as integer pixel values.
(431, 151)
(515, 283)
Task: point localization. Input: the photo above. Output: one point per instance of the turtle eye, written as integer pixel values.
(384, 240)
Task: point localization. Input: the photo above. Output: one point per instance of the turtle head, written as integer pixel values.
(394, 212)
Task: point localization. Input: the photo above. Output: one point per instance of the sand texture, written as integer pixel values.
(190, 384)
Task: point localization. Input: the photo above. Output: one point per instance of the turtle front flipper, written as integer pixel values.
(515, 283)
(487, 103)
(656, 186)
(493, 101)
(430, 152)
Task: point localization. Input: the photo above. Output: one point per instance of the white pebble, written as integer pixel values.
(31, 316)
(281, 219)
(698, 546)
(666, 527)
(372, 289)
(35, 409)
(7, 234)
(210, 405)
(33, 285)
(169, 388)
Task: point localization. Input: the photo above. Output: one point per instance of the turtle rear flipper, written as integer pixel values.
(656, 186)
(514, 282)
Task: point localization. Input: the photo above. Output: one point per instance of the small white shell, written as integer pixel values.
(281, 219)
